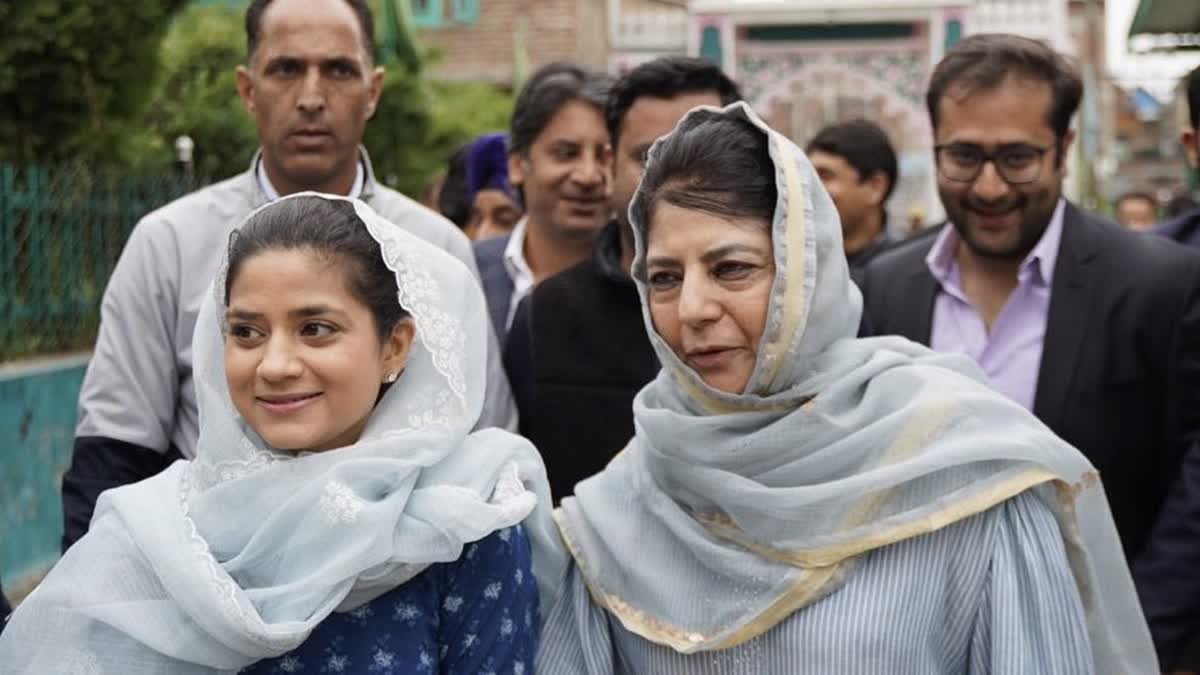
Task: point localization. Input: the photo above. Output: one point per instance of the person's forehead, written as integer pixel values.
(575, 120)
(1014, 111)
(828, 160)
(316, 27)
(652, 116)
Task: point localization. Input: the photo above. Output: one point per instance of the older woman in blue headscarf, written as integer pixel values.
(799, 501)
(476, 194)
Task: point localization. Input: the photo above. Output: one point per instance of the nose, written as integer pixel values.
(697, 306)
(279, 361)
(989, 186)
(312, 94)
(590, 172)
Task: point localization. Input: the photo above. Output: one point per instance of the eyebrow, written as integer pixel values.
(342, 60)
(722, 251)
(300, 313)
(708, 257)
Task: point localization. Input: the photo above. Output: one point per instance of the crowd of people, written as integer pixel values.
(658, 391)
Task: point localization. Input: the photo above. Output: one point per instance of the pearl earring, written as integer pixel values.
(391, 377)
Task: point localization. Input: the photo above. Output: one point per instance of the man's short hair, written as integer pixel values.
(666, 77)
(547, 91)
(864, 145)
(362, 10)
(1193, 96)
(982, 62)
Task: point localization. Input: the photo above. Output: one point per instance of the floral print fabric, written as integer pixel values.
(476, 615)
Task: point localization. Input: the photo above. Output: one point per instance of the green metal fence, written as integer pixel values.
(61, 231)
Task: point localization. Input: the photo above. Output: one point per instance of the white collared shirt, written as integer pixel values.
(517, 268)
(272, 194)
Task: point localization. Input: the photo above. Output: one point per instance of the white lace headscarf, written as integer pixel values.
(728, 512)
(236, 556)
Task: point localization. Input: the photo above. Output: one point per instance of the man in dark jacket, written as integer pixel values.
(1173, 607)
(1093, 328)
(578, 348)
(1185, 229)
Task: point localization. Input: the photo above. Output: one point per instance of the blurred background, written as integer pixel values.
(108, 110)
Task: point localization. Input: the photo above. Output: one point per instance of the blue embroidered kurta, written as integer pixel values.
(478, 614)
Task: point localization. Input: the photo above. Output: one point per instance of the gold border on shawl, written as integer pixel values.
(816, 571)
(832, 555)
(793, 304)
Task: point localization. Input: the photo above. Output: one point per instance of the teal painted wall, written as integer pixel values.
(37, 427)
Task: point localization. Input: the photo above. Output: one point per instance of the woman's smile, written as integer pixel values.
(283, 404)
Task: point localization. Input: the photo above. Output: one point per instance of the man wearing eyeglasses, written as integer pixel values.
(1093, 328)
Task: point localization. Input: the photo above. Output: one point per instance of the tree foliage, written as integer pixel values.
(116, 87)
(74, 76)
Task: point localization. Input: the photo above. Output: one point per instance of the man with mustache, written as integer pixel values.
(1094, 328)
(311, 83)
(558, 158)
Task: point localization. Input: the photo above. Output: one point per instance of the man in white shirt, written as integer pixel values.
(311, 84)
(559, 158)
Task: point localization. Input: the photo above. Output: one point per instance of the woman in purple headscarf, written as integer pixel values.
(476, 195)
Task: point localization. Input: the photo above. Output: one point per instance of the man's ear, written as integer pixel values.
(516, 169)
(1065, 151)
(878, 185)
(245, 88)
(376, 90)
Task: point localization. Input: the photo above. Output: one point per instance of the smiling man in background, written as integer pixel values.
(1094, 328)
(558, 158)
(311, 84)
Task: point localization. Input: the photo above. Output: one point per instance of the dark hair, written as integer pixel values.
(1193, 96)
(452, 200)
(982, 62)
(362, 9)
(328, 228)
(1179, 205)
(713, 163)
(665, 77)
(547, 91)
(864, 145)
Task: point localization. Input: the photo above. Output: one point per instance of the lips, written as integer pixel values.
(284, 404)
(310, 135)
(710, 358)
(585, 206)
(995, 220)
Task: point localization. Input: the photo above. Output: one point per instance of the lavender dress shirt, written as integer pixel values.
(1011, 354)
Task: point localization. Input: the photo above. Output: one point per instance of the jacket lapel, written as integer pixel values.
(1067, 318)
(919, 291)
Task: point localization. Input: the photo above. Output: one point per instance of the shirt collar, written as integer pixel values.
(514, 255)
(1041, 260)
(269, 191)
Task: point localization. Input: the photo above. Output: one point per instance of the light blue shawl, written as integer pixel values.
(726, 513)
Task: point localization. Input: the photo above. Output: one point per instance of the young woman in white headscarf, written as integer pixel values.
(796, 500)
(339, 517)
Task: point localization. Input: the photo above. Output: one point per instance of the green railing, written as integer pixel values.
(61, 232)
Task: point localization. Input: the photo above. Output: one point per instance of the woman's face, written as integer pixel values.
(303, 359)
(709, 280)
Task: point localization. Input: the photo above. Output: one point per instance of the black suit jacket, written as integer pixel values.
(1120, 371)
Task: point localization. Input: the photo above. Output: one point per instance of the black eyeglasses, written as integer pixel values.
(1017, 163)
